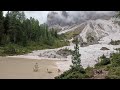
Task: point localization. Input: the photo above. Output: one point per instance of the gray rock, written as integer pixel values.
(104, 48)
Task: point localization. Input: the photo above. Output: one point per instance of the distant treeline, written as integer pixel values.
(16, 29)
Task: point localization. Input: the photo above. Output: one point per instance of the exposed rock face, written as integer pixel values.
(97, 29)
(94, 30)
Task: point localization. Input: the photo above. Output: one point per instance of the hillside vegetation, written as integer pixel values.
(19, 35)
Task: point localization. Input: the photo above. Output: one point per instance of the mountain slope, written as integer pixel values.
(92, 31)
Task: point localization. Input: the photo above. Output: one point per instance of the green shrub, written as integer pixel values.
(77, 73)
(78, 69)
(103, 61)
(112, 77)
(13, 49)
(115, 59)
(114, 71)
(116, 42)
(73, 73)
(10, 49)
(107, 68)
(70, 34)
(89, 72)
(60, 43)
(17, 49)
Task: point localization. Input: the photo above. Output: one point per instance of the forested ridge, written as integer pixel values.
(19, 34)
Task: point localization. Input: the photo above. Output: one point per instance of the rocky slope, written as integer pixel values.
(94, 30)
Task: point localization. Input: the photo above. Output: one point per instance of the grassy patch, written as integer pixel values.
(89, 72)
(71, 34)
(114, 73)
(103, 61)
(72, 73)
(14, 49)
(113, 67)
(77, 73)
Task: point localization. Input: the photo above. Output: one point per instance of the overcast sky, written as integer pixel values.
(42, 15)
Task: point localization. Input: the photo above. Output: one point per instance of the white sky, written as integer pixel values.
(40, 15)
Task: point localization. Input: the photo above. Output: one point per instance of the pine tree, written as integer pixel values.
(1, 26)
(15, 28)
(21, 16)
(6, 23)
(76, 56)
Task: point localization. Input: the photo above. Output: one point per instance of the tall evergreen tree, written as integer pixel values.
(76, 56)
(6, 23)
(1, 26)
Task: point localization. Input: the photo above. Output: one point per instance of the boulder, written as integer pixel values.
(104, 48)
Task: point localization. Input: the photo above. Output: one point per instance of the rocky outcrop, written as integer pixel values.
(97, 29)
(104, 48)
(61, 53)
(50, 54)
(64, 52)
